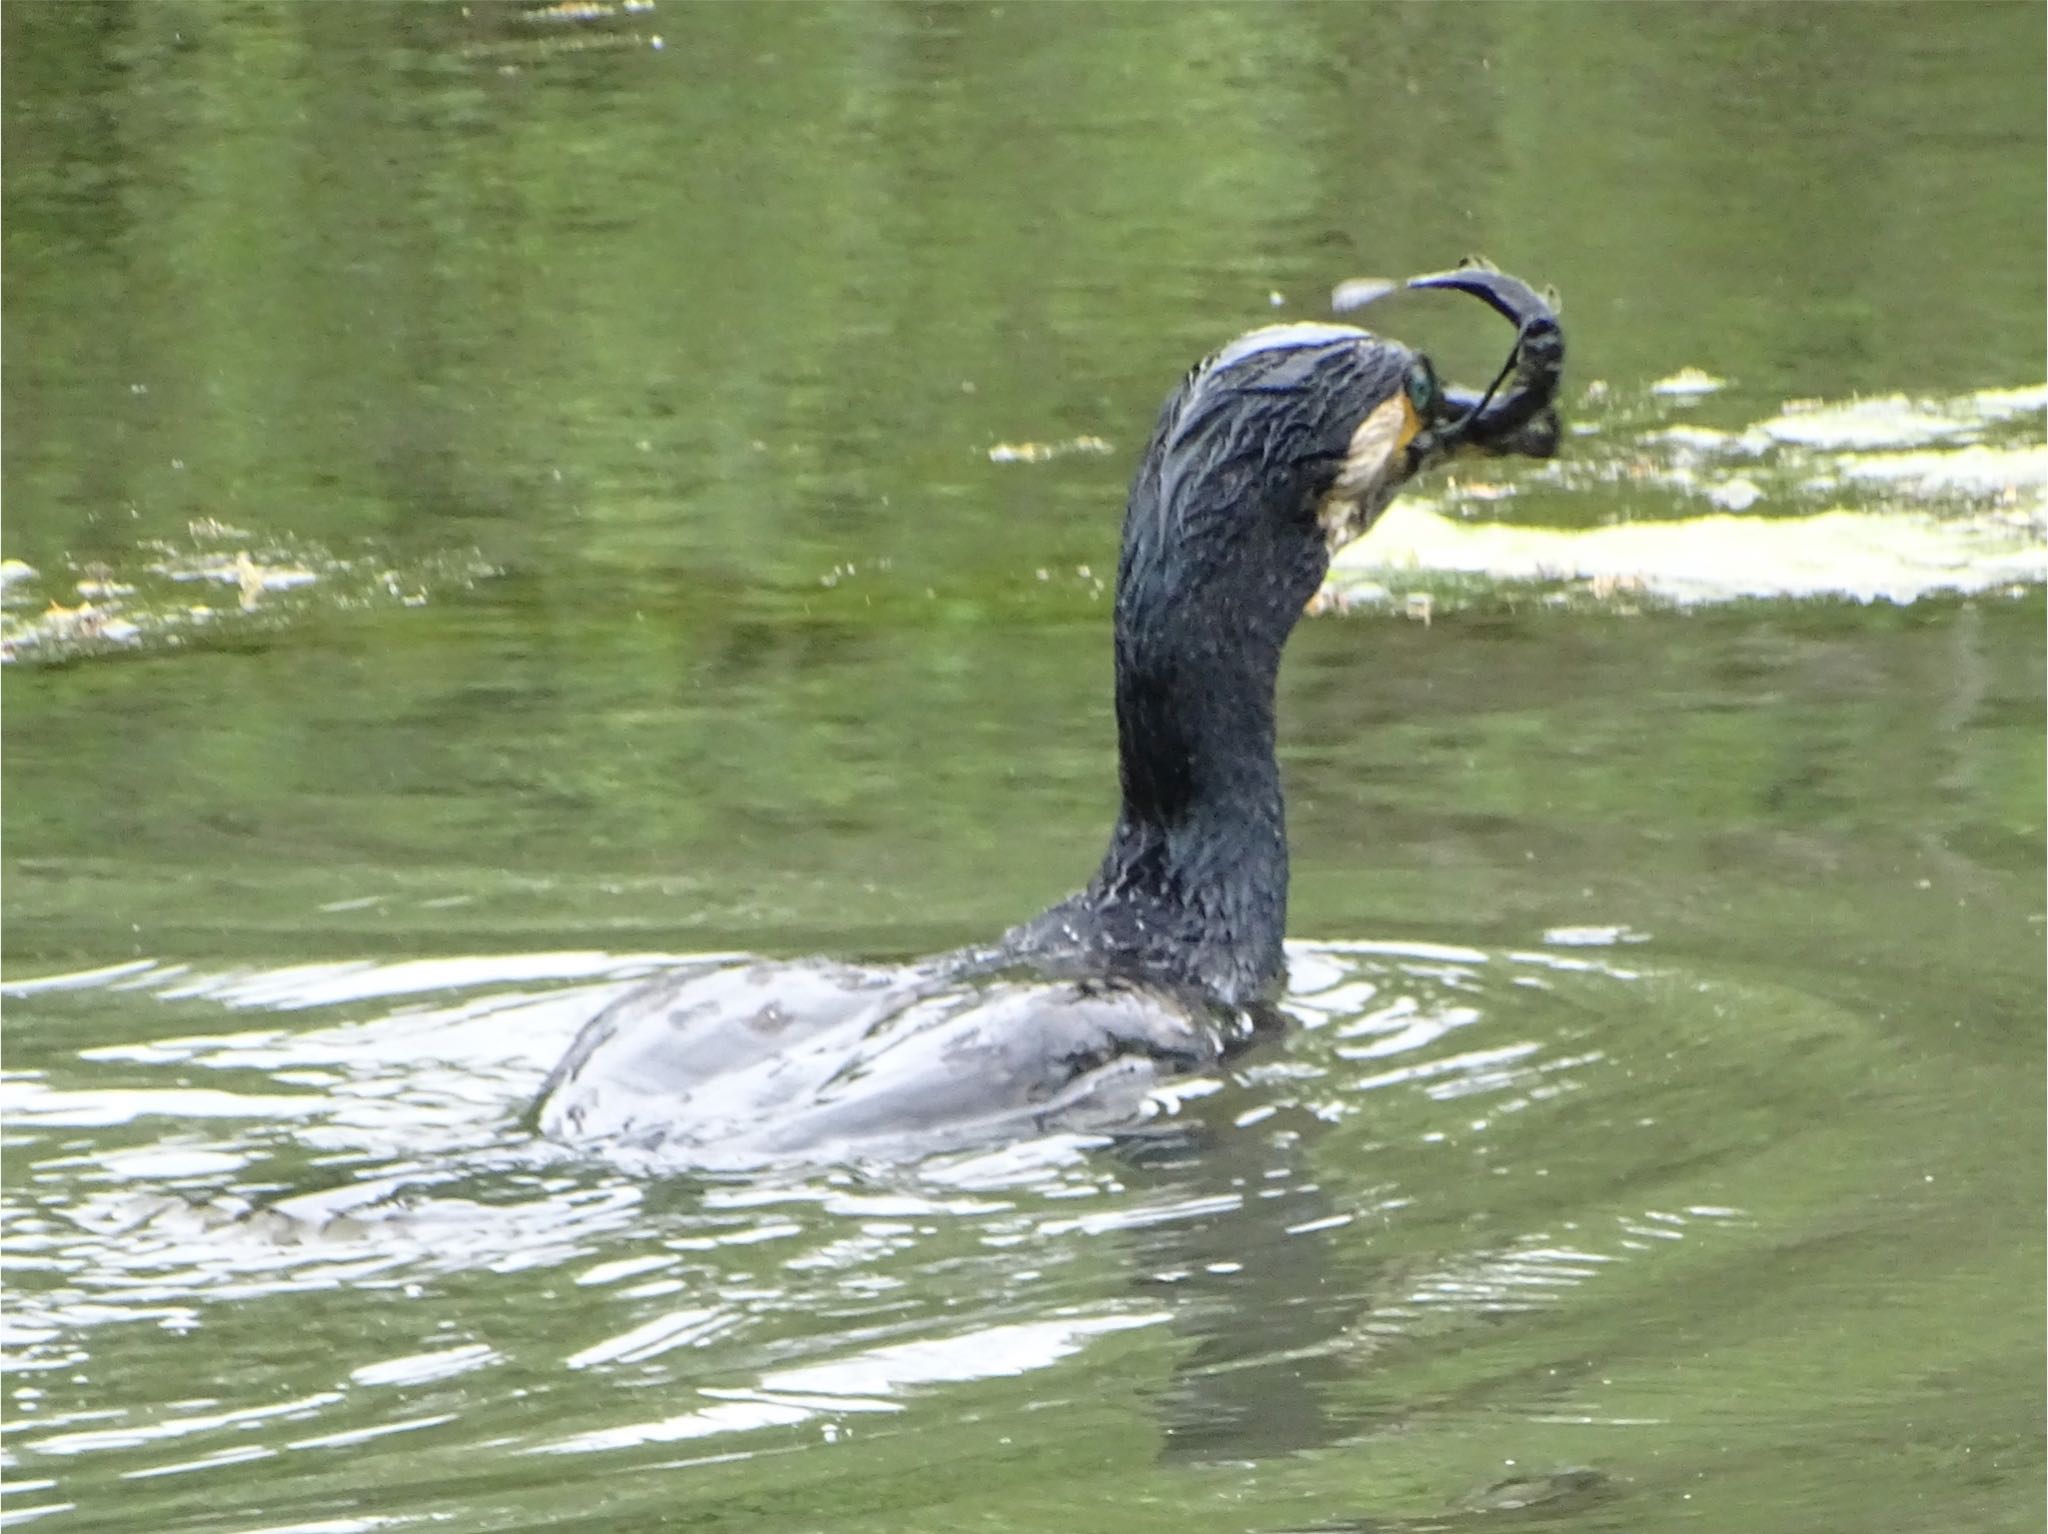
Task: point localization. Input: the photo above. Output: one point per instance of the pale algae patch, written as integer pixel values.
(1913, 498)
(1724, 557)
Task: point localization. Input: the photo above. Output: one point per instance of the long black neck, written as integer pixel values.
(1200, 846)
(1195, 878)
(1222, 548)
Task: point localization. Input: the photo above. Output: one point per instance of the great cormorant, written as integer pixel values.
(1270, 455)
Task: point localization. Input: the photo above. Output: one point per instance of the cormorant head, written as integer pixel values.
(1289, 442)
(1271, 454)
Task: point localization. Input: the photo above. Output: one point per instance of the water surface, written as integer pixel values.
(503, 498)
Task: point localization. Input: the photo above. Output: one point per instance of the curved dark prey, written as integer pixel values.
(1270, 455)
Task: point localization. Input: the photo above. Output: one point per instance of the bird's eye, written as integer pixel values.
(1423, 391)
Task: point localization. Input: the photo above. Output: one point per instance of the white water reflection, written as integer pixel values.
(907, 1279)
(869, 1381)
(181, 1426)
(420, 1368)
(679, 1328)
(1523, 1277)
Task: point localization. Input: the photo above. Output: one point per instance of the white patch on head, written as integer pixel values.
(1370, 474)
(1280, 338)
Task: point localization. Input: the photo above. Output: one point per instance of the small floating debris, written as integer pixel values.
(1736, 494)
(1687, 382)
(1357, 292)
(1606, 588)
(1481, 489)
(1593, 937)
(1697, 439)
(82, 623)
(1039, 452)
(1575, 1484)
(586, 10)
(138, 606)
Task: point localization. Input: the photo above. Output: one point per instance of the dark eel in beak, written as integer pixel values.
(1517, 412)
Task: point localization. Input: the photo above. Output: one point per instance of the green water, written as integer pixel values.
(533, 494)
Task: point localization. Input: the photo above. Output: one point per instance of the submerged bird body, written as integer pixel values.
(761, 1060)
(1269, 456)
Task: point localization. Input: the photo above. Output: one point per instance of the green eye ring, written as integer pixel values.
(1424, 392)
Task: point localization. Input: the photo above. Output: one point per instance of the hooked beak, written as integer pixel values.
(1536, 437)
(1517, 412)
(1524, 418)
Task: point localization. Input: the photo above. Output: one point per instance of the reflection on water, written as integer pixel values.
(866, 1382)
(501, 496)
(1441, 1145)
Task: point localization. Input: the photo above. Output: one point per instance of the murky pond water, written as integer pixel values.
(499, 499)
